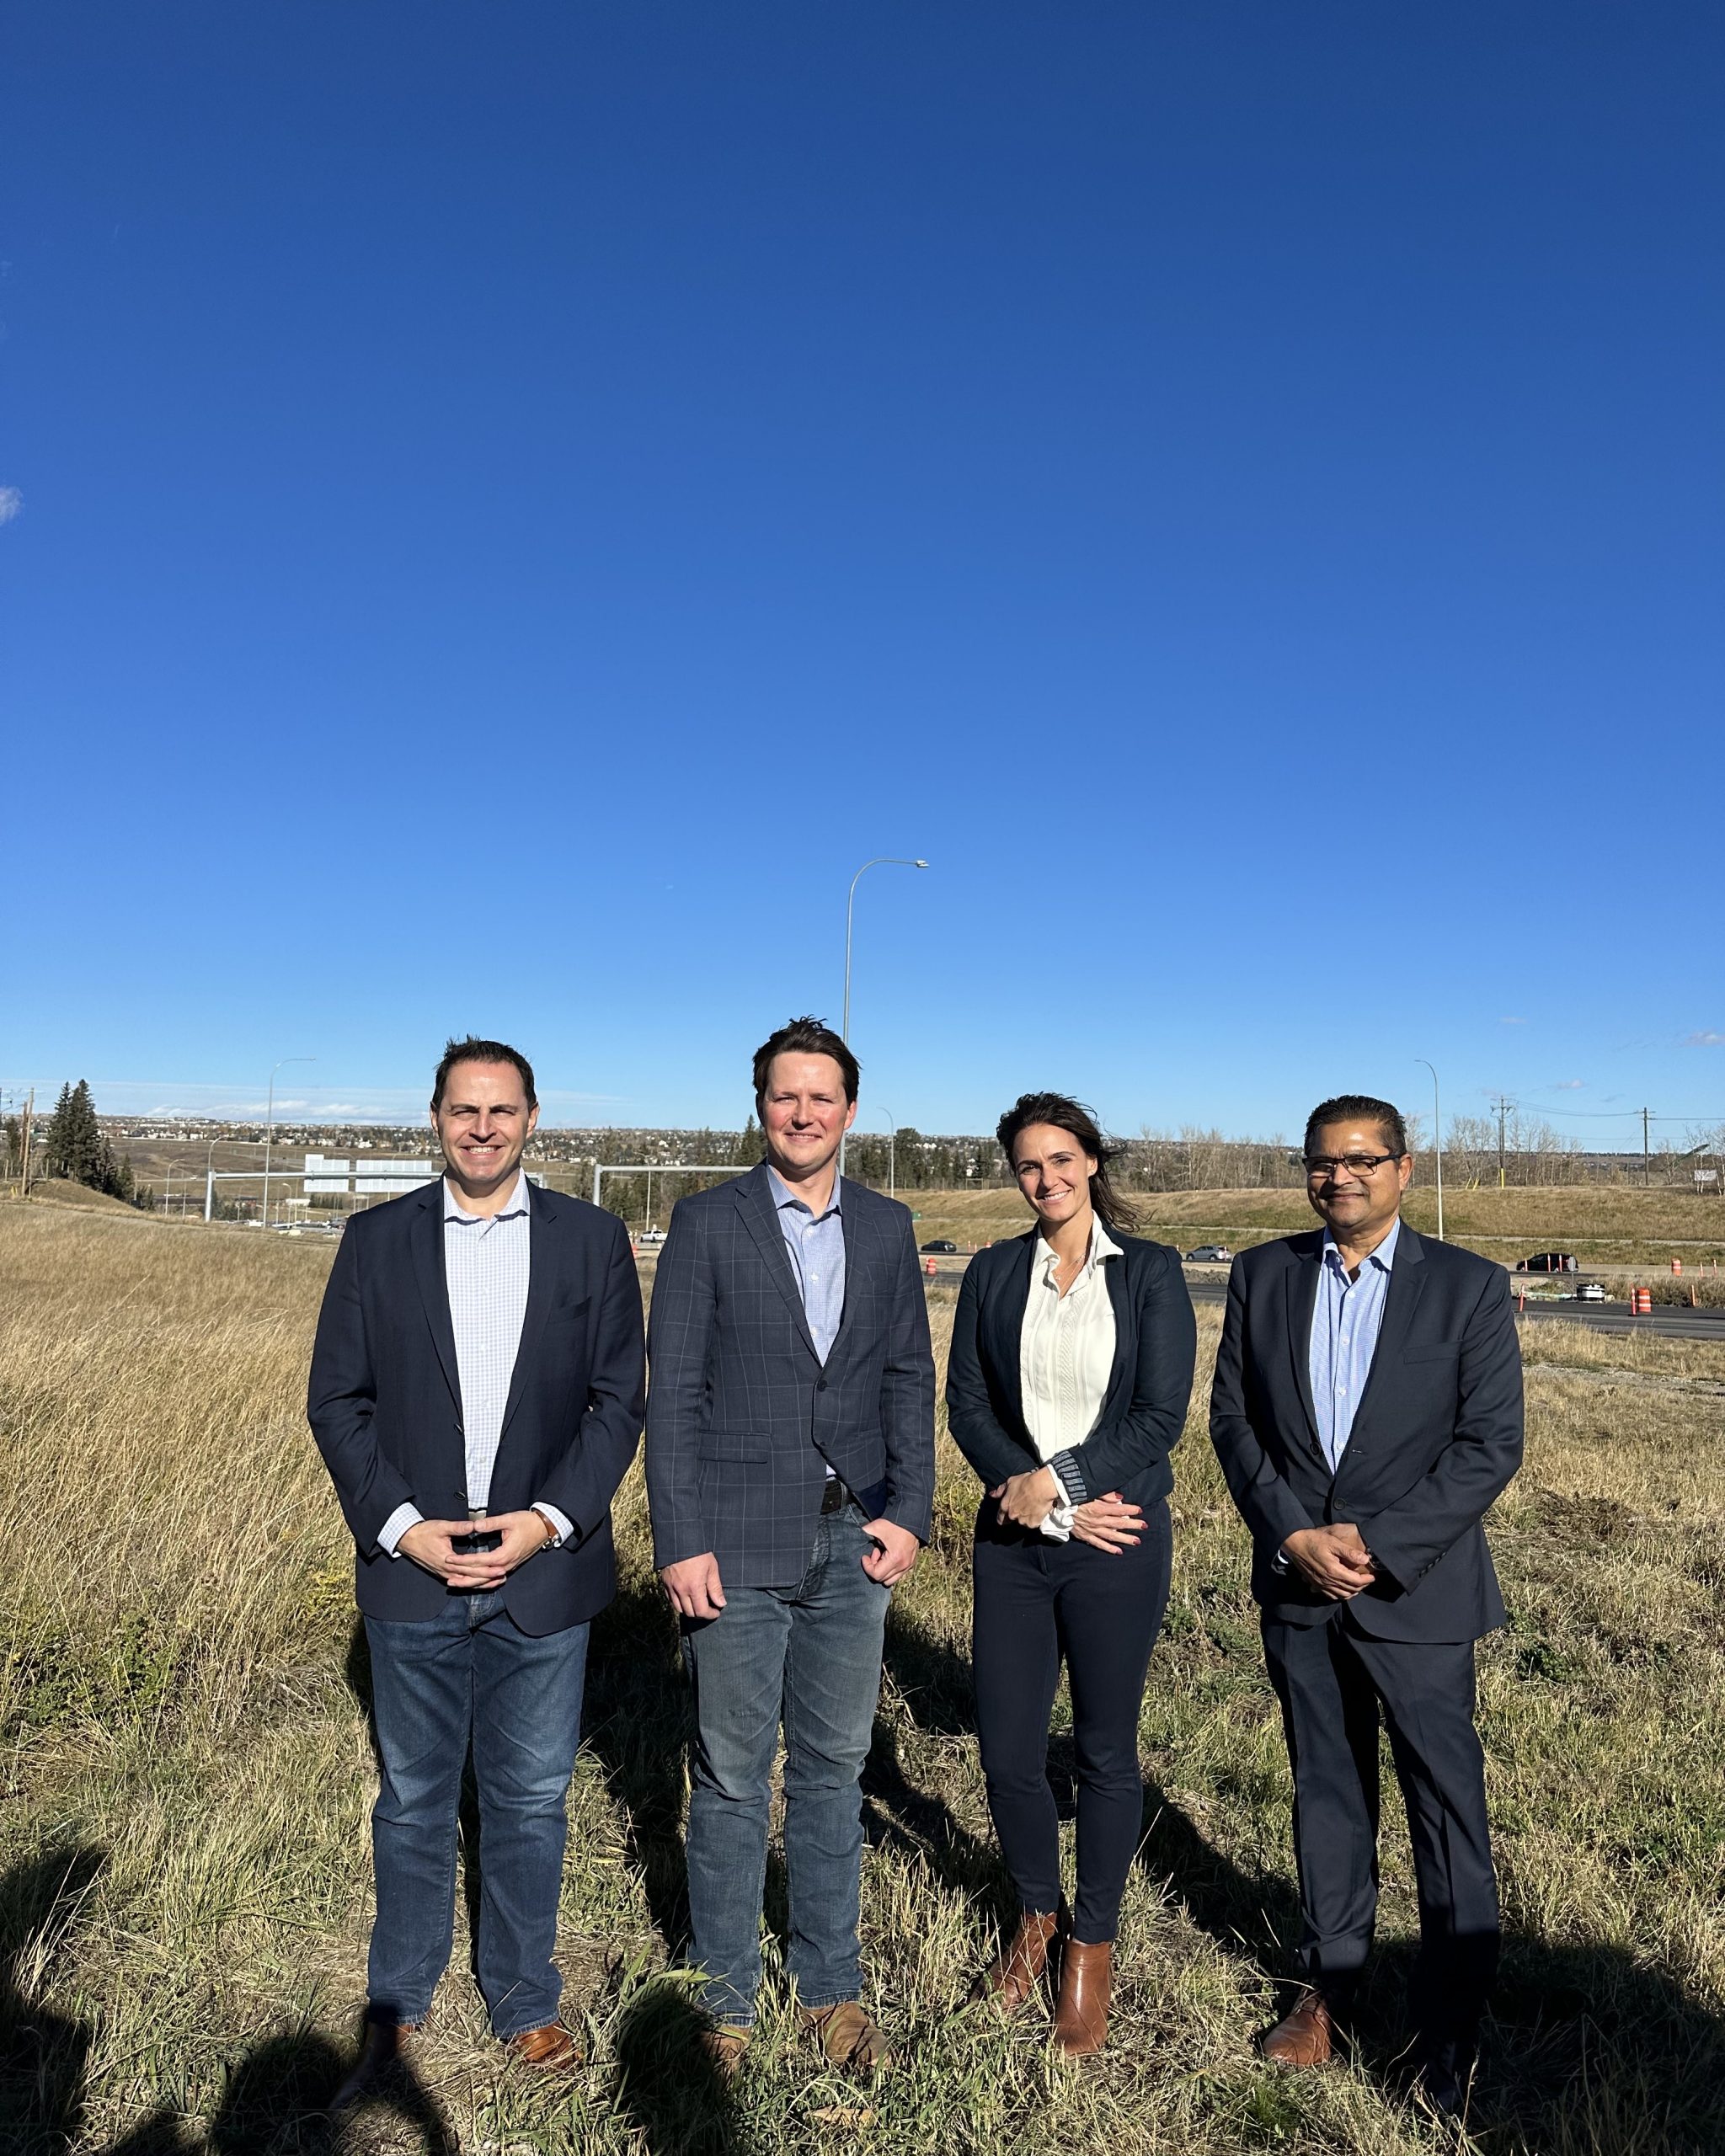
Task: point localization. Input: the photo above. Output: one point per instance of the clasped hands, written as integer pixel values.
(1107, 1523)
(1333, 1559)
(693, 1584)
(429, 1543)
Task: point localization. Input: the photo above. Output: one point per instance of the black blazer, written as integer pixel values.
(1144, 1409)
(1437, 1435)
(385, 1400)
(744, 1419)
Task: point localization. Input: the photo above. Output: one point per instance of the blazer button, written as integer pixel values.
(820, 1384)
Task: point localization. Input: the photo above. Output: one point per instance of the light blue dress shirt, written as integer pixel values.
(817, 1253)
(486, 1265)
(1346, 1319)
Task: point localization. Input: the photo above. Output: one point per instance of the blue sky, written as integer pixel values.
(508, 505)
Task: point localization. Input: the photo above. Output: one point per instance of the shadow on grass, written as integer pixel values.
(667, 2089)
(637, 1725)
(43, 2054)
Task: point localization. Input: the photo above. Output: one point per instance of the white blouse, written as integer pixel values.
(1066, 1356)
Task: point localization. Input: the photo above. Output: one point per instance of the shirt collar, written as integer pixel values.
(784, 1195)
(1101, 1244)
(519, 1202)
(1384, 1257)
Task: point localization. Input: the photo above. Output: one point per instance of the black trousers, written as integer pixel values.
(1036, 1602)
(1332, 1682)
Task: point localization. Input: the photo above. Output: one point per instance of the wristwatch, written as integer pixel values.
(552, 1530)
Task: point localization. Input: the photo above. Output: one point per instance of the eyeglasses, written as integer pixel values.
(1325, 1165)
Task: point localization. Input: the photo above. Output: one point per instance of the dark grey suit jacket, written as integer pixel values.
(1437, 1435)
(743, 1420)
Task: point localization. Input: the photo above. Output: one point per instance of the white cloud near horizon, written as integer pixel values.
(11, 504)
(1570, 1084)
(1704, 1040)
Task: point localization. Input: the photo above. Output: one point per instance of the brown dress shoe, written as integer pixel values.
(725, 2045)
(550, 2049)
(1017, 1969)
(1087, 1981)
(1306, 2035)
(849, 2037)
(384, 2047)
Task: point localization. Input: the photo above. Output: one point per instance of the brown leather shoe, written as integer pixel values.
(849, 2037)
(725, 2044)
(386, 2045)
(1087, 1983)
(549, 2049)
(1017, 1970)
(1306, 2035)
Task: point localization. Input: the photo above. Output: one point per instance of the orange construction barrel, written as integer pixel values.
(1641, 1302)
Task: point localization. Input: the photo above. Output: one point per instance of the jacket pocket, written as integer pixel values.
(718, 1445)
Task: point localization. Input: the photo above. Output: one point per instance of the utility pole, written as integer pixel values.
(1645, 1166)
(1503, 1111)
(29, 1114)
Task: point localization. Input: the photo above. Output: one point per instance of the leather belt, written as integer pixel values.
(836, 1496)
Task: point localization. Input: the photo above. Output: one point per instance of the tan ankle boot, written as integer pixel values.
(1087, 1979)
(1017, 1970)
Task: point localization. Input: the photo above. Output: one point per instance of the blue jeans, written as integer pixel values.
(809, 1655)
(470, 1675)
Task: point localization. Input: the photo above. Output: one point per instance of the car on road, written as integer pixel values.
(939, 1246)
(651, 1235)
(1549, 1260)
(1211, 1254)
(1588, 1291)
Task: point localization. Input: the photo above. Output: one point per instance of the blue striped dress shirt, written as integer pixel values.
(1346, 1319)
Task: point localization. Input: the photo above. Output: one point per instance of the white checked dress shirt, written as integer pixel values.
(486, 1267)
(1065, 1357)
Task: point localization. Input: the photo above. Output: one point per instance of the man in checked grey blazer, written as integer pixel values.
(790, 1468)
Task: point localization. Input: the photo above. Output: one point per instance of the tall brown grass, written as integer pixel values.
(184, 1867)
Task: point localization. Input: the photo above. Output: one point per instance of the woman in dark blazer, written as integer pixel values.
(1066, 1389)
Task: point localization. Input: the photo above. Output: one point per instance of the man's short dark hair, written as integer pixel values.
(805, 1037)
(1359, 1108)
(473, 1050)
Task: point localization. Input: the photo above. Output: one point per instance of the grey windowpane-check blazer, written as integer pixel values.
(743, 1418)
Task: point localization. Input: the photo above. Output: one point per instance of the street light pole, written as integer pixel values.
(270, 1126)
(1437, 1142)
(880, 860)
(892, 1153)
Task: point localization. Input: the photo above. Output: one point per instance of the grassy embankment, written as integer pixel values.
(184, 1895)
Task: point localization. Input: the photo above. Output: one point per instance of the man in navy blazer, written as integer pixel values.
(790, 1472)
(477, 1394)
(1367, 1409)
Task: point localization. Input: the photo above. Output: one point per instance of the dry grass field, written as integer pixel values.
(184, 1870)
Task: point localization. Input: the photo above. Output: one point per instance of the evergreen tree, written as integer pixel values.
(76, 1148)
(750, 1147)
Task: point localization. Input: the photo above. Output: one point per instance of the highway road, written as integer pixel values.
(1671, 1323)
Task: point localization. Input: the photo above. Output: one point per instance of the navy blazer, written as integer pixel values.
(744, 1419)
(1437, 1435)
(385, 1400)
(1143, 1409)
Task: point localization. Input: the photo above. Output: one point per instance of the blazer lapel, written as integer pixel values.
(1400, 1301)
(1113, 1272)
(1301, 1293)
(755, 1203)
(541, 1269)
(434, 1285)
(1004, 1323)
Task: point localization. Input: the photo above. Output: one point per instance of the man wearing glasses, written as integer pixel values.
(1366, 1413)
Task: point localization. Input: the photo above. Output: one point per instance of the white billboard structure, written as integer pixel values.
(325, 1176)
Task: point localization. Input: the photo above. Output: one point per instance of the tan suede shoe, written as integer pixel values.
(849, 2037)
(725, 2045)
